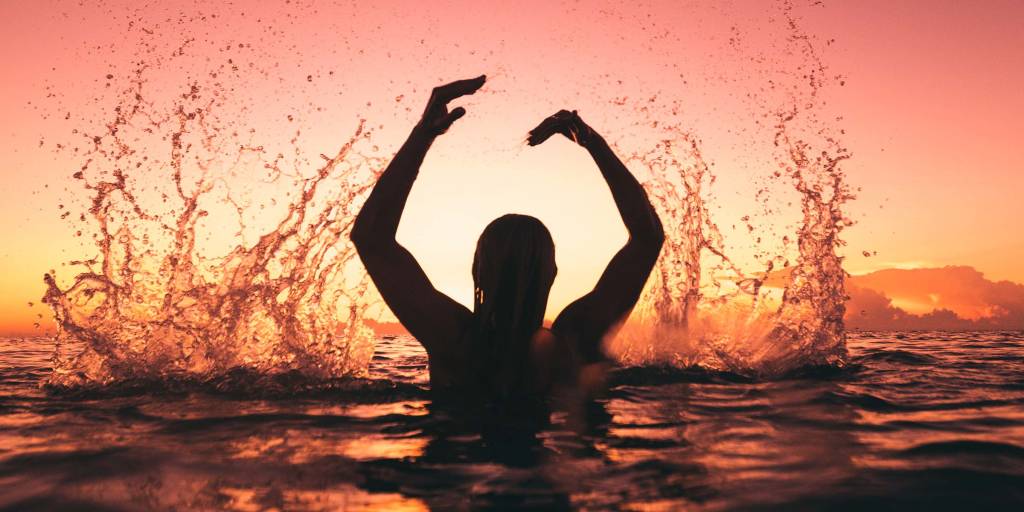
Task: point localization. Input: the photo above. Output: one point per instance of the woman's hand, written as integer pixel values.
(436, 118)
(565, 122)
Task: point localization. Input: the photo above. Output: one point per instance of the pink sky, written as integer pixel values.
(932, 108)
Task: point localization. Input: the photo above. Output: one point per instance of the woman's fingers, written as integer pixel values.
(448, 92)
(437, 118)
(540, 134)
(445, 122)
(559, 122)
(545, 130)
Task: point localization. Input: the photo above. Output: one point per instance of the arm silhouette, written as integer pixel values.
(591, 317)
(429, 315)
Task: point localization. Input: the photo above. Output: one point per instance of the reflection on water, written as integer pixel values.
(927, 420)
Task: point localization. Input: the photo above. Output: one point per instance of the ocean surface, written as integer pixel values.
(917, 421)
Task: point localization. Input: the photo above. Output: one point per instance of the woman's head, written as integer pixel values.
(513, 270)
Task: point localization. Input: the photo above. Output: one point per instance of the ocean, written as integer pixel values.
(916, 420)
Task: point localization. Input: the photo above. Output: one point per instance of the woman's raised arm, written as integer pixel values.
(429, 315)
(591, 317)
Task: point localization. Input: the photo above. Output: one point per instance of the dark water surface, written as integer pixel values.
(920, 420)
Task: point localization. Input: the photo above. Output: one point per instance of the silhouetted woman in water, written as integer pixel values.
(500, 351)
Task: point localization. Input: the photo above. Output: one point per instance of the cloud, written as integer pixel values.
(947, 298)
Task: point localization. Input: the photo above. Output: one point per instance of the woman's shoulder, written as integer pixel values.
(546, 343)
(551, 357)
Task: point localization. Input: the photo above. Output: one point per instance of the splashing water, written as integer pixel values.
(724, 319)
(155, 305)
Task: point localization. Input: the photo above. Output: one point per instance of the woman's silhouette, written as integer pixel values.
(501, 350)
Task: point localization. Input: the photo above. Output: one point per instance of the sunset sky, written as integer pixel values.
(931, 100)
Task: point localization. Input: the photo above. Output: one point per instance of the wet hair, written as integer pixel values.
(513, 269)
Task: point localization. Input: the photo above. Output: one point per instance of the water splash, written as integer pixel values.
(722, 317)
(167, 297)
(153, 305)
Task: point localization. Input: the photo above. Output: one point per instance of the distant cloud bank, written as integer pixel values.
(948, 298)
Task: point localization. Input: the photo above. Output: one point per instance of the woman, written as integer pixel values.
(501, 350)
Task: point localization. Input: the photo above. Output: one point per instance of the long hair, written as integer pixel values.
(513, 269)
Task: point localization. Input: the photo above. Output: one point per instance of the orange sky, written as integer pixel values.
(932, 108)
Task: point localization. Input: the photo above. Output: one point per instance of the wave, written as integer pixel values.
(895, 356)
(248, 384)
(967, 447)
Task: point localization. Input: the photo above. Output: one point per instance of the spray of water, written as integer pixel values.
(153, 306)
(722, 317)
(156, 303)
